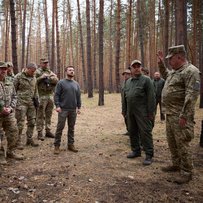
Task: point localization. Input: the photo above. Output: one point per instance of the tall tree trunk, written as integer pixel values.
(117, 46)
(29, 33)
(82, 49)
(53, 37)
(101, 38)
(13, 36)
(152, 38)
(71, 33)
(141, 32)
(23, 34)
(110, 50)
(181, 22)
(129, 27)
(94, 45)
(166, 26)
(58, 43)
(89, 66)
(47, 30)
(7, 30)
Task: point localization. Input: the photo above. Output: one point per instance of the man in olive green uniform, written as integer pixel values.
(46, 81)
(179, 96)
(139, 105)
(26, 88)
(8, 101)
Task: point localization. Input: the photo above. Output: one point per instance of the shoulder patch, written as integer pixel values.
(196, 85)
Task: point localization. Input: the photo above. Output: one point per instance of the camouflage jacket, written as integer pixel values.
(26, 88)
(10, 77)
(8, 96)
(46, 86)
(181, 90)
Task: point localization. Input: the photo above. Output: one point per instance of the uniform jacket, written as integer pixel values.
(181, 90)
(46, 86)
(8, 96)
(26, 88)
(139, 96)
(158, 86)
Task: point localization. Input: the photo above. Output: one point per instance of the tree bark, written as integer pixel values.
(13, 36)
(89, 66)
(117, 46)
(101, 36)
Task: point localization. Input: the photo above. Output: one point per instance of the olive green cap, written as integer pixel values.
(136, 61)
(126, 71)
(44, 60)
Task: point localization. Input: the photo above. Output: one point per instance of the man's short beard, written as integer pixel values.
(71, 76)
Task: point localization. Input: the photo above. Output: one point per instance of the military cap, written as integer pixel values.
(136, 61)
(175, 50)
(10, 64)
(32, 65)
(126, 71)
(44, 60)
(3, 64)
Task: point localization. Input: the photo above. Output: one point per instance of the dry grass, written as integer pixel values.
(100, 172)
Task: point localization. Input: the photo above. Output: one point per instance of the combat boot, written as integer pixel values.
(170, 168)
(182, 179)
(148, 160)
(49, 134)
(31, 143)
(2, 160)
(13, 155)
(72, 148)
(40, 136)
(56, 150)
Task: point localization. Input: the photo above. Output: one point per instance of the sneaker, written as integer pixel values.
(72, 148)
(49, 134)
(182, 179)
(56, 150)
(133, 155)
(40, 136)
(13, 155)
(31, 143)
(148, 161)
(170, 169)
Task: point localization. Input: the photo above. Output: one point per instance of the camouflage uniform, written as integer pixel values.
(179, 96)
(46, 87)
(26, 88)
(8, 122)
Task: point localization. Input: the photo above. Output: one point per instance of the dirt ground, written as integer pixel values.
(100, 171)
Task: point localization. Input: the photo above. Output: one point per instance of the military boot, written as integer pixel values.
(170, 168)
(31, 143)
(40, 136)
(72, 148)
(2, 159)
(13, 155)
(56, 150)
(49, 134)
(148, 160)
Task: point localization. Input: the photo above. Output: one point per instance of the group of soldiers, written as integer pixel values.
(25, 96)
(178, 98)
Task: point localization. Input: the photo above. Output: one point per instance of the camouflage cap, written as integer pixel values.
(136, 61)
(126, 71)
(44, 60)
(32, 65)
(175, 50)
(3, 64)
(10, 64)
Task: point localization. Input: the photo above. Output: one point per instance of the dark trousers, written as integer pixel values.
(126, 123)
(70, 116)
(158, 102)
(140, 129)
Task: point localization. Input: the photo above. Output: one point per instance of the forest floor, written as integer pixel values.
(100, 171)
